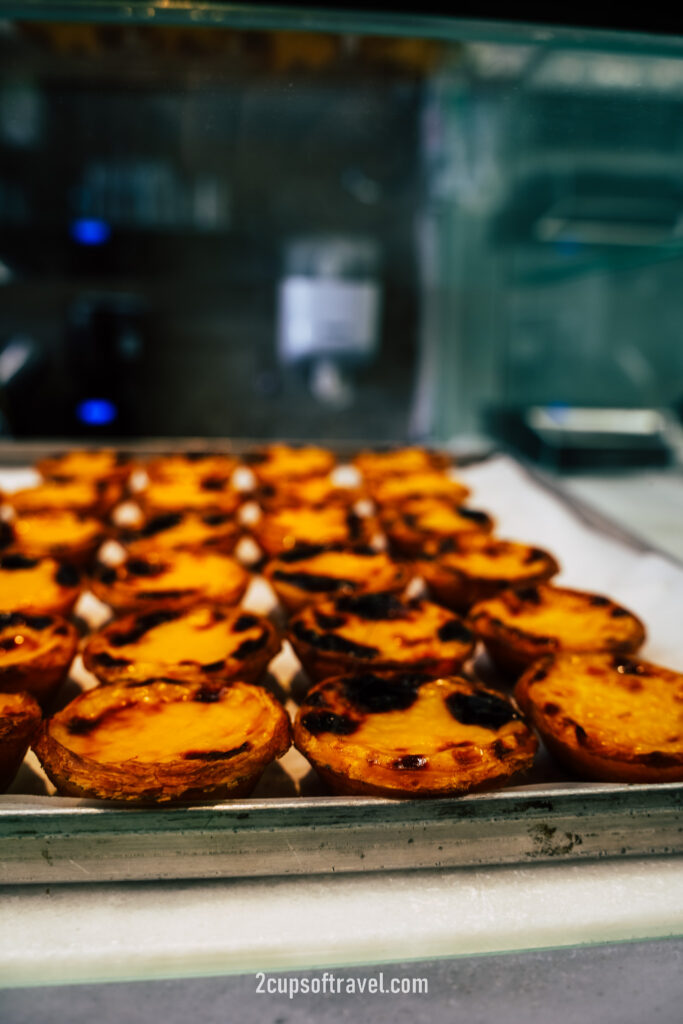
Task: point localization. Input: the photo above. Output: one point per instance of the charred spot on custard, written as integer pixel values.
(9, 620)
(215, 755)
(473, 514)
(140, 567)
(243, 623)
(410, 762)
(109, 661)
(375, 607)
(375, 694)
(326, 622)
(535, 555)
(15, 561)
(248, 647)
(255, 458)
(581, 735)
(205, 695)
(142, 625)
(213, 483)
(68, 576)
(529, 594)
(6, 534)
(619, 613)
(213, 666)
(597, 601)
(625, 666)
(550, 708)
(312, 582)
(160, 523)
(106, 574)
(216, 519)
(333, 643)
(354, 525)
(315, 699)
(327, 721)
(165, 595)
(301, 552)
(480, 708)
(454, 630)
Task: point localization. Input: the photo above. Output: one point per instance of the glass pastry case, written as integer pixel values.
(230, 228)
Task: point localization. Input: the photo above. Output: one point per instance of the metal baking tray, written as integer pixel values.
(49, 839)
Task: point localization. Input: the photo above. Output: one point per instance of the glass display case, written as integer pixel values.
(259, 221)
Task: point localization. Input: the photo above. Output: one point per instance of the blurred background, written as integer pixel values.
(214, 231)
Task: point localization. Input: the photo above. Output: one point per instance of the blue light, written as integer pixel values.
(96, 412)
(88, 231)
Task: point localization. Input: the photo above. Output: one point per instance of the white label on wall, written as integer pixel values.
(327, 316)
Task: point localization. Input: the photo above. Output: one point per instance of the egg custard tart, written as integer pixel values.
(163, 741)
(191, 466)
(96, 497)
(422, 524)
(286, 528)
(204, 642)
(58, 533)
(396, 490)
(607, 717)
(392, 462)
(518, 626)
(312, 572)
(409, 735)
(191, 531)
(35, 653)
(20, 719)
(380, 632)
(313, 492)
(201, 494)
(37, 586)
(278, 462)
(171, 579)
(473, 567)
(100, 464)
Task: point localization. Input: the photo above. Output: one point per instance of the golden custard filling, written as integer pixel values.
(162, 722)
(443, 518)
(372, 568)
(200, 636)
(181, 571)
(487, 558)
(183, 530)
(581, 620)
(618, 703)
(71, 494)
(283, 461)
(43, 530)
(178, 494)
(398, 462)
(418, 485)
(382, 627)
(312, 526)
(314, 491)
(191, 466)
(95, 465)
(28, 583)
(26, 637)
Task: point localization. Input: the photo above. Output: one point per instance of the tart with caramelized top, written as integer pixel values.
(162, 741)
(20, 718)
(607, 717)
(312, 572)
(396, 490)
(87, 464)
(407, 735)
(35, 653)
(96, 497)
(473, 567)
(171, 579)
(191, 466)
(181, 494)
(190, 531)
(312, 492)
(278, 462)
(392, 462)
(57, 533)
(205, 642)
(287, 528)
(519, 626)
(423, 524)
(37, 586)
(380, 632)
